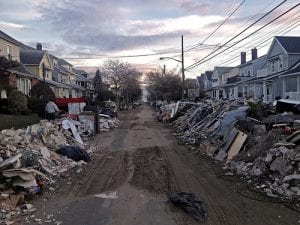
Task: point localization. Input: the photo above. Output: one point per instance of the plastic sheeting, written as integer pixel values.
(190, 204)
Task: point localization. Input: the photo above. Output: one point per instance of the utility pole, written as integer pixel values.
(182, 69)
(164, 70)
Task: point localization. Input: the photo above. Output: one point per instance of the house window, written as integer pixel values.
(3, 94)
(9, 52)
(24, 85)
(273, 66)
(249, 73)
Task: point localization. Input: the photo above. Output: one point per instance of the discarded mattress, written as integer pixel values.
(190, 204)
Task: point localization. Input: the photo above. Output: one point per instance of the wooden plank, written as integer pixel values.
(236, 145)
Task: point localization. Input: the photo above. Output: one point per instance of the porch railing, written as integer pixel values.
(292, 96)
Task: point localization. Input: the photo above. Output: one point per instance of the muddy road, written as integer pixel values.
(134, 168)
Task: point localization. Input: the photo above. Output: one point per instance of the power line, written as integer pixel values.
(283, 31)
(237, 35)
(220, 25)
(257, 42)
(206, 58)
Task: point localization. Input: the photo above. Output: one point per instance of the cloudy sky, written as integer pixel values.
(87, 32)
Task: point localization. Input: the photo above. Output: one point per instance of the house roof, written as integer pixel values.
(77, 87)
(8, 38)
(295, 69)
(31, 57)
(64, 62)
(222, 70)
(258, 61)
(290, 44)
(209, 75)
(22, 70)
(79, 71)
(81, 78)
(57, 84)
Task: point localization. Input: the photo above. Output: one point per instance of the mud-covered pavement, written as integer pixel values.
(135, 166)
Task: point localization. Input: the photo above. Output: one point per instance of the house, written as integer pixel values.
(60, 75)
(192, 88)
(70, 78)
(247, 87)
(207, 80)
(86, 82)
(279, 77)
(39, 63)
(18, 77)
(217, 76)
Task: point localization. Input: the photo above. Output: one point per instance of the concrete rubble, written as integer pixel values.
(266, 153)
(29, 161)
(107, 122)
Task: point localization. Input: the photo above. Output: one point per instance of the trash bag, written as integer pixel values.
(74, 153)
(190, 204)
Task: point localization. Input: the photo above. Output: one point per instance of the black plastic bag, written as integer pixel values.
(190, 204)
(74, 153)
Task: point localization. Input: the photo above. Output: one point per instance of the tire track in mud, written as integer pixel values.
(151, 170)
(107, 172)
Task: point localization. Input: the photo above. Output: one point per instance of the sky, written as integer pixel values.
(89, 32)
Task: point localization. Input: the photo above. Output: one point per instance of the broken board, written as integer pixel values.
(236, 145)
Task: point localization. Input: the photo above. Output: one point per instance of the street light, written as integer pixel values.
(182, 66)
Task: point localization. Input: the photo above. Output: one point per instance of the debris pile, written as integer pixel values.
(29, 159)
(259, 150)
(107, 122)
(275, 170)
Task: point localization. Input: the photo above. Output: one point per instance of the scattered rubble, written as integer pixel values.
(265, 152)
(106, 122)
(29, 160)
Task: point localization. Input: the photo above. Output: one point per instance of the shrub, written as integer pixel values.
(257, 110)
(3, 106)
(41, 94)
(37, 105)
(16, 102)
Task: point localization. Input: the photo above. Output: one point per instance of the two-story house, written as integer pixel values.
(83, 80)
(39, 63)
(192, 88)
(59, 75)
(218, 73)
(17, 77)
(207, 82)
(70, 78)
(279, 76)
(247, 87)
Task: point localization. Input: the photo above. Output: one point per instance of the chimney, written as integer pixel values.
(243, 58)
(254, 53)
(39, 46)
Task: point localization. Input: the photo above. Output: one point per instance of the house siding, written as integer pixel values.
(293, 59)
(15, 50)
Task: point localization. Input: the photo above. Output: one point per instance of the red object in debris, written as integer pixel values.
(65, 101)
(288, 130)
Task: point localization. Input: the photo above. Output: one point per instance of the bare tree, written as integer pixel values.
(167, 87)
(119, 75)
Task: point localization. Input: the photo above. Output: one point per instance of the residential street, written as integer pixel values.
(136, 165)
